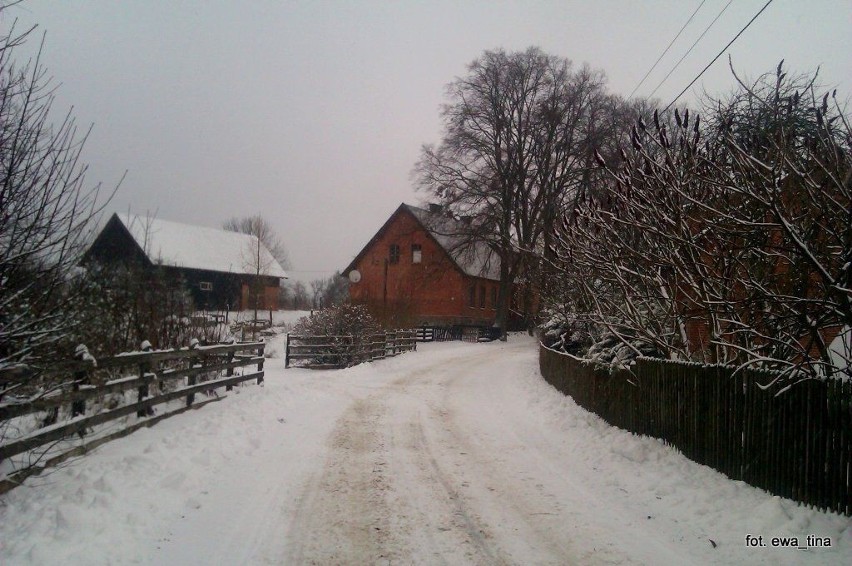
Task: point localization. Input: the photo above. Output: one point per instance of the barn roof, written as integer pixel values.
(476, 261)
(198, 247)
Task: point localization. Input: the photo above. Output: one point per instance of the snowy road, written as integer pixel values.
(413, 474)
(455, 454)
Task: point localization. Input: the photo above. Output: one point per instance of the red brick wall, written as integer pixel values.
(433, 291)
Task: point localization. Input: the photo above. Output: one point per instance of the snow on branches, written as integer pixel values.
(725, 240)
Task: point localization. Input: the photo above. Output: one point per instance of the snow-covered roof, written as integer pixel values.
(198, 247)
(476, 260)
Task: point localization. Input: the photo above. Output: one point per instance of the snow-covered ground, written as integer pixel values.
(454, 454)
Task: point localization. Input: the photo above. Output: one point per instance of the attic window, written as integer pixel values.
(394, 254)
(416, 253)
(205, 286)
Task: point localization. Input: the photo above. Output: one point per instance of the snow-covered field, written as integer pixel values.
(454, 454)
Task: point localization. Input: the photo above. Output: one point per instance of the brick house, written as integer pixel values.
(414, 272)
(218, 267)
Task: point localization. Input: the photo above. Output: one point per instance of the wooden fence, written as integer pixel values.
(793, 439)
(72, 398)
(458, 332)
(333, 352)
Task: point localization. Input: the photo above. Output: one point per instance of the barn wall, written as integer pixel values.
(115, 245)
(433, 291)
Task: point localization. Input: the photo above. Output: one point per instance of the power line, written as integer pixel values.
(719, 15)
(654, 66)
(719, 55)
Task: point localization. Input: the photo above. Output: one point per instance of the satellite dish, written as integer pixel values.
(354, 276)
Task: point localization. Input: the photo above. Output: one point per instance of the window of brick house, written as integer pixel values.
(416, 253)
(205, 285)
(472, 296)
(393, 255)
(482, 296)
(494, 297)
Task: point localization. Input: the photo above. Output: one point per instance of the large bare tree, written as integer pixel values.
(519, 130)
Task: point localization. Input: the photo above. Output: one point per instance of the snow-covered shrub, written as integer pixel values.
(127, 304)
(339, 320)
(564, 332)
(345, 330)
(614, 353)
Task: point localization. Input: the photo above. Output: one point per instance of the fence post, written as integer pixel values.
(260, 363)
(143, 389)
(230, 371)
(287, 351)
(78, 406)
(191, 380)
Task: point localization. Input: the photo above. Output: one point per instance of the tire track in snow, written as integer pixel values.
(472, 527)
(342, 515)
(418, 471)
(357, 510)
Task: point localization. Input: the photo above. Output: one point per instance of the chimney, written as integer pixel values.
(435, 208)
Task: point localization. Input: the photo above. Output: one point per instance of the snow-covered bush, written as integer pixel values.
(345, 329)
(127, 304)
(722, 239)
(339, 320)
(614, 352)
(564, 332)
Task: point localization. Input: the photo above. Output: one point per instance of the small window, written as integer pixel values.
(205, 286)
(472, 297)
(482, 296)
(394, 253)
(416, 253)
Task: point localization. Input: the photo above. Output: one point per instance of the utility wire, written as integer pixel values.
(719, 55)
(719, 15)
(654, 66)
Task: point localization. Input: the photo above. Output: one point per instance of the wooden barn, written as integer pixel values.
(220, 268)
(413, 272)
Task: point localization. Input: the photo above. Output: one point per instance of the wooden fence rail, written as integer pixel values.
(69, 387)
(334, 352)
(793, 439)
(466, 333)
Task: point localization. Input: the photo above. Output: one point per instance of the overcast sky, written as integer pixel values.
(313, 113)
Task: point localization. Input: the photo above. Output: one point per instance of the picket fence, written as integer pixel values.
(791, 438)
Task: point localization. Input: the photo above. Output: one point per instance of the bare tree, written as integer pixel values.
(266, 249)
(48, 212)
(519, 134)
(318, 289)
(259, 227)
(301, 300)
(331, 291)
